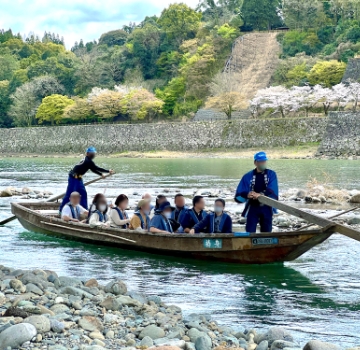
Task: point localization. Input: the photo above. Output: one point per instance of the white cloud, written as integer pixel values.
(77, 19)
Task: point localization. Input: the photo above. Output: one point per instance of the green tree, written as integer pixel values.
(173, 92)
(180, 22)
(146, 48)
(114, 37)
(80, 111)
(5, 120)
(8, 65)
(302, 13)
(327, 73)
(141, 104)
(27, 98)
(261, 14)
(52, 109)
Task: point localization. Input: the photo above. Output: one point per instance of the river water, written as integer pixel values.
(316, 296)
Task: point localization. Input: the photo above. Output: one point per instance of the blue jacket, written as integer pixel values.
(189, 219)
(180, 217)
(247, 183)
(207, 225)
(160, 222)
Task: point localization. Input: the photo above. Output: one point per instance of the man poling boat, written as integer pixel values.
(258, 182)
(75, 180)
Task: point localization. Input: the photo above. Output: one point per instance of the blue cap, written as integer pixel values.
(165, 205)
(91, 150)
(260, 157)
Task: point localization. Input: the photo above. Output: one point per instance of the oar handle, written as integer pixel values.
(53, 199)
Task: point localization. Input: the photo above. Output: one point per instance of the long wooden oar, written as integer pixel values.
(55, 198)
(328, 225)
(330, 217)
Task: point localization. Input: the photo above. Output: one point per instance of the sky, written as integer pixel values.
(77, 19)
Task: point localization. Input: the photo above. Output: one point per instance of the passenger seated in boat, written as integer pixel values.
(141, 220)
(118, 215)
(148, 196)
(160, 223)
(179, 212)
(73, 211)
(216, 222)
(194, 215)
(159, 199)
(99, 217)
(96, 199)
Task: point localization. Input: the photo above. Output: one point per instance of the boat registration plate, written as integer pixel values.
(212, 243)
(265, 241)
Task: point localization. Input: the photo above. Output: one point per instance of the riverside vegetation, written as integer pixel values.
(169, 66)
(41, 310)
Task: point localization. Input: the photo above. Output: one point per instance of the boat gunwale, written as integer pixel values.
(22, 206)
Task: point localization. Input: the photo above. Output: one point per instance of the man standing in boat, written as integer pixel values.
(258, 182)
(75, 181)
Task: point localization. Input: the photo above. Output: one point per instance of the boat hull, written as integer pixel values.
(253, 249)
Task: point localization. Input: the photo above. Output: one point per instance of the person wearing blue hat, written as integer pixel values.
(258, 182)
(160, 223)
(75, 181)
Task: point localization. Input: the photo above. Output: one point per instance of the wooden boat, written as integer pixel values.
(242, 248)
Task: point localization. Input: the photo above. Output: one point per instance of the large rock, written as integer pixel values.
(91, 323)
(319, 345)
(64, 281)
(194, 333)
(125, 300)
(203, 343)
(17, 335)
(283, 344)
(31, 288)
(263, 345)
(57, 326)
(17, 285)
(6, 193)
(153, 332)
(116, 287)
(41, 323)
(59, 308)
(355, 198)
(275, 333)
(110, 303)
(147, 341)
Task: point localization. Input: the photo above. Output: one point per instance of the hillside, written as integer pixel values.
(253, 61)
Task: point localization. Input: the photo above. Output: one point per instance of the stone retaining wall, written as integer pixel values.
(191, 136)
(342, 136)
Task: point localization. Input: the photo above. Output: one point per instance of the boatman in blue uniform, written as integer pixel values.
(75, 181)
(258, 182)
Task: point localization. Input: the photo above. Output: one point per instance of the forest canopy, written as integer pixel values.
(163, 67)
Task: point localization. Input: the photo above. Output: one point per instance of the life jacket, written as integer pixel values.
(102, 217)
(122, 217)
(212, 222)
(194, 216)
(252, 186)
(75, 215)
(167, 224)
(142, 221)
(181, 213)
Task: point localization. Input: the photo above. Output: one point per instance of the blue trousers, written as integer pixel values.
(75, 185)
(259, 214)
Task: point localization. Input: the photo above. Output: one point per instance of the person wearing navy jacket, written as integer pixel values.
(180, 210)
(258, 182)
(194, 215)
(160, 223)
(216, 222)
(75, 180)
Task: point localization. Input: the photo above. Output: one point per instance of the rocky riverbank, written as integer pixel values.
(41, 310)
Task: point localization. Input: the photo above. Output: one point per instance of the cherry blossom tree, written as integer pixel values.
(354, 94)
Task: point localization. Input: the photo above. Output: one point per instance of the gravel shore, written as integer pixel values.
(41, 310)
